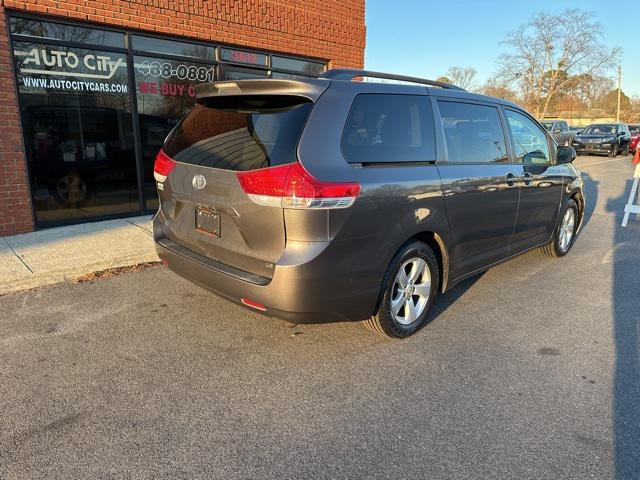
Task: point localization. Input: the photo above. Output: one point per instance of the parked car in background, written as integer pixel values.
(603, 139)
(559, 130)
(331, 199)
(634, 130)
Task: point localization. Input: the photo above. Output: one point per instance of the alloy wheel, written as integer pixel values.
(411, 289)
(567, 228)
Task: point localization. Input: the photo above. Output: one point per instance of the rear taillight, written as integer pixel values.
(162, 166)
(291, 186)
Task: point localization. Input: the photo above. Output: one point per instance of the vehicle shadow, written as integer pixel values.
(445, 300)
(591, 197)
(626, 330)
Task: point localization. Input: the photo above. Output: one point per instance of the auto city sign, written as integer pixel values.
(97, 66)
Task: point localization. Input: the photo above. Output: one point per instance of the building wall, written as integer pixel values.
(331, 30)
(15, 202)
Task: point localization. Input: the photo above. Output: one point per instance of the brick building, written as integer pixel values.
(89, 89)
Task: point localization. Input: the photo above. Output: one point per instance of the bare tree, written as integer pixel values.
(591, 89)
(461, 76)
(552, 51)
(632, 115)
(494, 88)
(609, 102)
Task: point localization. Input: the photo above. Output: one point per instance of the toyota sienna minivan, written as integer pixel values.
(342, 199)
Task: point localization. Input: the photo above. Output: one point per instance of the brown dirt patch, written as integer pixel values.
(112, 272)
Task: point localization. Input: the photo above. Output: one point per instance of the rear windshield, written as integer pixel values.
(240, 133)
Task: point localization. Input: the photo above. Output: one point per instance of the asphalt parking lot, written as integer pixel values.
(531, 370)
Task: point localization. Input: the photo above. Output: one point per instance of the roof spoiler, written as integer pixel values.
(310, 89)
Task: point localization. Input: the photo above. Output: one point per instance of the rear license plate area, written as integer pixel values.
(208, 222)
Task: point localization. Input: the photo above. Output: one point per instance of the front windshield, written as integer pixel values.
(600, 130)
(633, 129)
(547, 125)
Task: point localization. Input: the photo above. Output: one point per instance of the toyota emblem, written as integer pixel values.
(199, 182)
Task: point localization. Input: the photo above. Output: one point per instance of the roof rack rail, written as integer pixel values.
(350, 74)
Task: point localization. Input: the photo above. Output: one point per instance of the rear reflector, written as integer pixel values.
(162, 166)
(291, 186)
(252, 304)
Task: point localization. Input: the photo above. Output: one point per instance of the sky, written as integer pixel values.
(425, 37)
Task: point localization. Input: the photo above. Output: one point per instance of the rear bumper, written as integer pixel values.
(318, 289)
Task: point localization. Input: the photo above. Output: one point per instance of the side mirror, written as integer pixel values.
(565, 154)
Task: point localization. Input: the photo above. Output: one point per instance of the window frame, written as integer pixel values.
(354, 164)
(128, 47)
(442, 151)
(551, 143)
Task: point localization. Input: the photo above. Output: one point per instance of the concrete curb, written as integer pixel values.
(63, 254)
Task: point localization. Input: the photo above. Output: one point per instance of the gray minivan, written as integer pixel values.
(342, 199)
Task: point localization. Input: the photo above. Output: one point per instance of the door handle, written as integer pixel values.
(511, 179)
(527, 178)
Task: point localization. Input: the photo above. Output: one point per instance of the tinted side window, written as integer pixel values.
(563, 126)
(530, 142)
(389, 128)
(473, 133)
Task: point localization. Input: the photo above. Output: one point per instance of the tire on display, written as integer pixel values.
(410, 286)
(70, 189)
(565, 233)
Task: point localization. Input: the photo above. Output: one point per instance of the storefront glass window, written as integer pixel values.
(172, 47)
(302, 66)
(290, 76)
(243, 73)
(67, 33)
(165, 91)
(78, 121)
(77, 125)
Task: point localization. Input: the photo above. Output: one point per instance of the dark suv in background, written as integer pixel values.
(603, 139)
(334, 199)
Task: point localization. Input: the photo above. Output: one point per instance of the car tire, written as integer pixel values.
(403, 311)
(560, 245)
(614, 151)
(625, 152)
